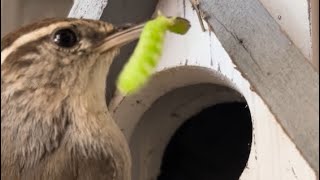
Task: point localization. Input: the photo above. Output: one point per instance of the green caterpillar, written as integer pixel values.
(148, 51)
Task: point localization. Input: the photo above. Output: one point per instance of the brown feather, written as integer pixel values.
(55, 124)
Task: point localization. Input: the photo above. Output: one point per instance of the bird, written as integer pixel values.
(55, 124)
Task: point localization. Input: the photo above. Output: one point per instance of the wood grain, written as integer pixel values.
(275, 67)
(89, 9)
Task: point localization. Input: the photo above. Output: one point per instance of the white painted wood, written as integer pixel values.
(199, 57)
(166, 115)
(275, 67)
(293, 18)
(88, 9)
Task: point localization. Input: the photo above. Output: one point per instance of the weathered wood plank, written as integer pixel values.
(275, 67)
(192, 59)
(293, 18)
(89, 9)
(314, 8)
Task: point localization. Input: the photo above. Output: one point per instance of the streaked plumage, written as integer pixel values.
(55, 124)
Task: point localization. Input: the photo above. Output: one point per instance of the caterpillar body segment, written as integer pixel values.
(148, 51)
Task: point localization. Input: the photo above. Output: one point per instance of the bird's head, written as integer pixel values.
(53, 74)
(61, 54)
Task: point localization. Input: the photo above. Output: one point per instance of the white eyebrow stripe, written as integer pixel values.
(31, 36)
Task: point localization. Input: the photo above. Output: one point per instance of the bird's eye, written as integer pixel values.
(65, 38)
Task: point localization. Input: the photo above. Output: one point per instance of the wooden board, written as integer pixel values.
(89, 9)
(274, 66)
(314, 8)
(264, 55)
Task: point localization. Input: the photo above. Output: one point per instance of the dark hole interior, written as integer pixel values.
(214, 144)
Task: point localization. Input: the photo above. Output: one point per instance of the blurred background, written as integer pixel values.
(15, 13)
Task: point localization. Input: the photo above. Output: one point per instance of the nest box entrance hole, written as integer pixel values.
(201, 131)
(213, 144)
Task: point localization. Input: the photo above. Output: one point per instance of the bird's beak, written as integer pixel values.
(122, 36)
